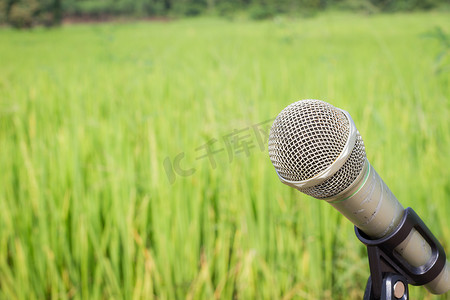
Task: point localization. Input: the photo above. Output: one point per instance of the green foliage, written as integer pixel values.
(230, 8)
(89, 114)
(442, 60)
(26, 13)
(225, 9)
(3, 11)
(364, 6)
(405, 5)
(260, 12)
(138, 8)
(189, 8)
(21, 13)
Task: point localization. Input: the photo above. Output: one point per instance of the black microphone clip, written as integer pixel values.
(390, 273)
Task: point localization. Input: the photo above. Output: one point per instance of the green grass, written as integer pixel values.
(90, 113)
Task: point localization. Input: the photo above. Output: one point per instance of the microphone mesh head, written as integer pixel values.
(306, 138)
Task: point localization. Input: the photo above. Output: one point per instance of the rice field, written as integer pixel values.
(134, 165)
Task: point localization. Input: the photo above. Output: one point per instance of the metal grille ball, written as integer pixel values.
(306, 138)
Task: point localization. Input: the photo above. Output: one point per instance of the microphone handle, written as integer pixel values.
(370, 205)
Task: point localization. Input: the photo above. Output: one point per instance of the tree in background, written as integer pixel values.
(26, 13)
(405, 5)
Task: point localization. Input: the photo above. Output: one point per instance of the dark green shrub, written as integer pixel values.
(21, 14)
(3, 13)
(189, 8)
(405, 5)
(226, 9)
(194, 9)
(260, 12)
(363, 6)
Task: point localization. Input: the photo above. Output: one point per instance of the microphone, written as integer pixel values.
(316, 149)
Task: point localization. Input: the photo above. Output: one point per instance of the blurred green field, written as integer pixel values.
(106, 189)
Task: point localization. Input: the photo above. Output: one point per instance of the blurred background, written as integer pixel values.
(27, 13)
(133, 142)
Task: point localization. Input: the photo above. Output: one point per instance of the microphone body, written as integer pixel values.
(304, 141)
(372, 207)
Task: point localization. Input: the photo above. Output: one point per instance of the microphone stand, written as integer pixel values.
(390, 273)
